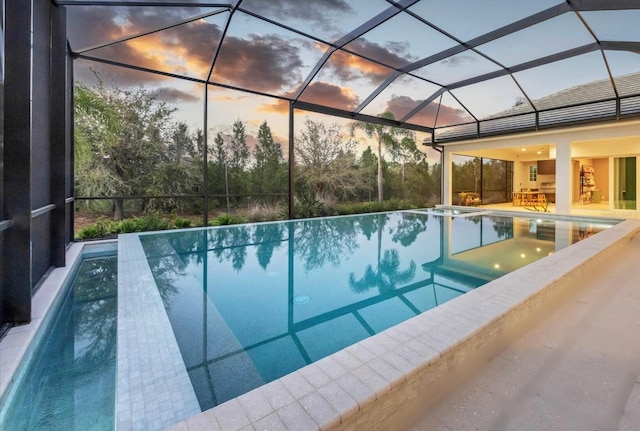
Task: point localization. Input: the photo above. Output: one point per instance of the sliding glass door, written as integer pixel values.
(624, 183)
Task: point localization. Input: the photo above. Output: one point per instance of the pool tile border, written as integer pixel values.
(153, 389)
(371, 379)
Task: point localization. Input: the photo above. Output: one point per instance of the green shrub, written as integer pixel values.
(371, 207)
(114, 227)
(181, 223)
(307, 205)
(128, 226)
(150, 222)
(90, 232)
(100, 229)
(227, 219)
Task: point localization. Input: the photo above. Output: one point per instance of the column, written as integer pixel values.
(292, 179)
(563, 177)
(17, 163)
(446, 177)
(61, 106)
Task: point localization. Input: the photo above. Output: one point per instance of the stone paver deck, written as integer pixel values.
(577, 367)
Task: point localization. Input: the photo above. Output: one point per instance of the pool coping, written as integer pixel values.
(153, 388)
(363, 385)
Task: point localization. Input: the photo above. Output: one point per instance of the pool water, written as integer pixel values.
(251, 303)
(69, 383)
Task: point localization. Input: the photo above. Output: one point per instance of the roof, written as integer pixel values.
(453, 69)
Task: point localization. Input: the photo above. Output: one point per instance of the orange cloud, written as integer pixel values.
(186, 50)
(223, 98)
(265, 63)
(348, 67)
(320, 93)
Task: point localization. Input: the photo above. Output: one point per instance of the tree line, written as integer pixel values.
(128, 144)
(490, 178)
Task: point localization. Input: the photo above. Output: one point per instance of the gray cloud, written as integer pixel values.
(315, 12)
(402, 105)
(265, 62)
(93, 25)
(395, 54)
(260, 62)
(457, 60)
(172, 95)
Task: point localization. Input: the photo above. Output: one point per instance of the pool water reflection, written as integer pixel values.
(251, 303)
(69, 383)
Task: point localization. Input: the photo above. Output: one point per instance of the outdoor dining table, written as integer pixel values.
(527, 198)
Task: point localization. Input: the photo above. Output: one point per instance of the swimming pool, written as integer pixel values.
(249, 304)
(70, 380)
(181, 295)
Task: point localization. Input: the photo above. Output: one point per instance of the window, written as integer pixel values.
(533, 173)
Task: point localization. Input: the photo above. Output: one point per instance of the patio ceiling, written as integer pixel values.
(456, 70)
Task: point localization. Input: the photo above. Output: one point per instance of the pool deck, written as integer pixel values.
(581, 210)
(576, 368)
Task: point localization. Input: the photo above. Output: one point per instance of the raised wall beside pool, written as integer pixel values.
(365, 385)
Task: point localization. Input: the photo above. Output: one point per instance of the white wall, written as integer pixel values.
(586, 143)
(521, 176)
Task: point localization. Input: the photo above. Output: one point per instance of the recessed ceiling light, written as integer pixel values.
(538, 249)
(524, 149)
(539, 152)
(523, 255)
(496, 266)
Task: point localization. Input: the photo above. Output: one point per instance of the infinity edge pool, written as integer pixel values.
(364, 384)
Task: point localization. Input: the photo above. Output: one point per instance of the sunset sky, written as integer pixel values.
(262, 57)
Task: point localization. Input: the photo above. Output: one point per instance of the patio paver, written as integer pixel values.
(578, 367)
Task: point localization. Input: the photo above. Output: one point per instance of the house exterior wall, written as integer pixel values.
(592, 144)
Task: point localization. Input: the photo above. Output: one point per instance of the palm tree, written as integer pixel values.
(384, 135)
(386, 276)
(387, 273)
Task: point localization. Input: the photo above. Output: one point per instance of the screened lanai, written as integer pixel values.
(452, 69)
(446, 70)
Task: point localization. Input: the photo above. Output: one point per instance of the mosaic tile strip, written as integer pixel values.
(153, 390)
